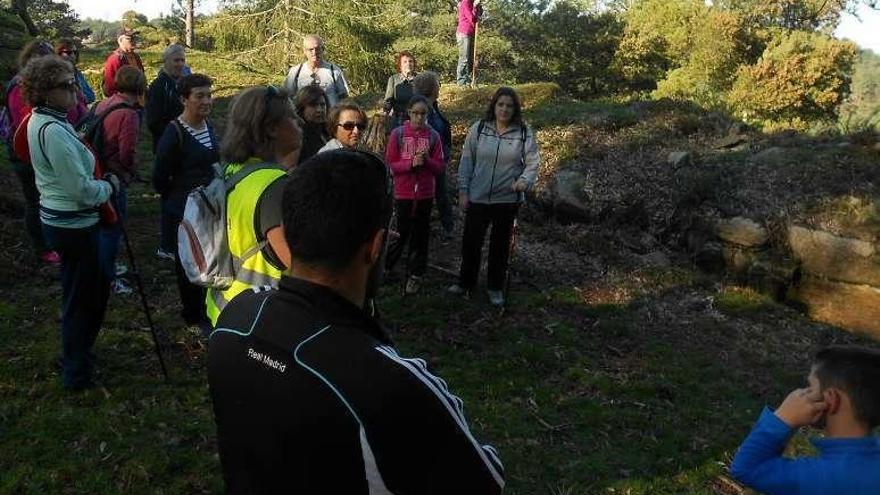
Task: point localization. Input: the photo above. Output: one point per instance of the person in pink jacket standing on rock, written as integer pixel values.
(415, 156)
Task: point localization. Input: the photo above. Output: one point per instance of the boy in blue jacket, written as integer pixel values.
(843, 399)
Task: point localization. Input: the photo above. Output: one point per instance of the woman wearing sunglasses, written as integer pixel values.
(68, 50)
(69, 199)
(347, 122)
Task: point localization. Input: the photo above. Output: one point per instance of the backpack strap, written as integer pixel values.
(41, 133)
(296, 78)
(247, 170)
(333, 75)
(179, 129)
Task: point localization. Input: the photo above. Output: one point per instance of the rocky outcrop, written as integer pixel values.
(851, 306)
(568, 194)
(837, 258)
(742, 232)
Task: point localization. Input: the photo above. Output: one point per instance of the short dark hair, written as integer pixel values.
(310, 96)
(517, 105)
(427, 83)
(186, 84)
(417, 99)
(35, 48)
(333, 203)
(333, 118)
(856, 371)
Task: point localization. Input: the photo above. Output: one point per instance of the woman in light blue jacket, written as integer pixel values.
(69, 201)
(499, 163)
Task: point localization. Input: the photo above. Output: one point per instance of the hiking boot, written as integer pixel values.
(456, 290)
(496, 297)
(51, 257)
(412, 285)
(120, 287)
(164, 255)
(120, 269)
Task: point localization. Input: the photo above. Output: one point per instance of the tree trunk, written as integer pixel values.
(20, 8)
(190, 27)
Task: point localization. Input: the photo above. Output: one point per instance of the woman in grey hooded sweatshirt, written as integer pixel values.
(499, 163)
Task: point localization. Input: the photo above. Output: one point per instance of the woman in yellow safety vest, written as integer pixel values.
(262, 141)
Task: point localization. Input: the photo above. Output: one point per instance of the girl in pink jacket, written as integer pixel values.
(415, 156)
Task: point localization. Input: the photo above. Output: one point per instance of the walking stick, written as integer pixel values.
(474, 62)
(511, 252)
(140, 287)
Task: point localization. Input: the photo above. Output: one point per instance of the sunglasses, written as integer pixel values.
(349, 126)
(66, 85)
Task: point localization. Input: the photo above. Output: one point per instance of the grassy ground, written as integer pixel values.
(606, 375)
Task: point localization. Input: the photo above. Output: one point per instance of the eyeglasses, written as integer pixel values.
(349, 126)
(66, 85)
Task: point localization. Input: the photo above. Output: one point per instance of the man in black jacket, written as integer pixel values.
(163, 99)
(309, 394)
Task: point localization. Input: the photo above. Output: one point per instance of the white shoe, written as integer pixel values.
(120, 269)
(164, 255)
(496, 297)
(412, 285)
(120, 287)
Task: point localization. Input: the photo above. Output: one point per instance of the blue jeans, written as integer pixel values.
(465, 58)
(85, 288)
(110, 235)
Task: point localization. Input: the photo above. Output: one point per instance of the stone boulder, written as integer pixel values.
(851, 306)
(679, 159)
(773, 156)
(568, 194)
(837, 258)
(742, 231)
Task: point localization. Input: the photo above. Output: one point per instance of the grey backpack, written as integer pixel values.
(202, 237)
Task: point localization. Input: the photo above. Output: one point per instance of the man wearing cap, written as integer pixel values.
(122, 56)
(316, 71)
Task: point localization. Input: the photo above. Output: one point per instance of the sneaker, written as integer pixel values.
(120, 269)
(120, 287)
(51, 257)
(496, 297)
(164, 255)
(412, 285)
(456, 290)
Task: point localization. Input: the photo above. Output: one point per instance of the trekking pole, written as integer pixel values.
(511, 253)
(140, 289)
(474, 61)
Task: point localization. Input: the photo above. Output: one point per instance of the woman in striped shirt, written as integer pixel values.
(185, 159)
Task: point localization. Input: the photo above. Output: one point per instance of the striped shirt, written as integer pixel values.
(202, 135)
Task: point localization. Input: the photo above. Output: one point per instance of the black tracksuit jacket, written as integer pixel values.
(310, 398)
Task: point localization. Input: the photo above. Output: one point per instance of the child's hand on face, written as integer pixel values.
(802, 407)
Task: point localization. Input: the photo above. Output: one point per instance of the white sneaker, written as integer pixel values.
(456, 290)
(120, 287)
(412, 285)
(120, 269)
(164, 255)
(496, 297)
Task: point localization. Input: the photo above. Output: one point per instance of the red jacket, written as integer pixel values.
(121, 128)
(116, 60)
(18, 108)
(412, 183)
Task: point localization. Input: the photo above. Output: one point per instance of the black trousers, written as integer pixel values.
(476, 221)
(414, 227)
(85, 289)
